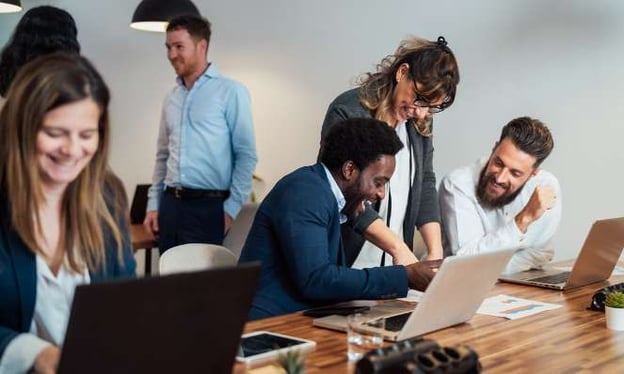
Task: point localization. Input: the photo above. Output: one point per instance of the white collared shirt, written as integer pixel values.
(340, 199)
(52, 307)
(471, 229)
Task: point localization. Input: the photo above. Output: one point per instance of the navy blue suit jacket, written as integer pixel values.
(18, 275)
(296, 237)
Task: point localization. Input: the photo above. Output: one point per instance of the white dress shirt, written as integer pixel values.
(52, 306)
(471, 229)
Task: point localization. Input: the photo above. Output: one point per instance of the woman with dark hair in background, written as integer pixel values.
(62, 224)
(41, 30)
(409, 86)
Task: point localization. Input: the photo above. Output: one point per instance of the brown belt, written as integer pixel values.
(191, 193)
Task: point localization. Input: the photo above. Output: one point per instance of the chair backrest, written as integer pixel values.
(194, 257)
(235, 237)
(139, 203)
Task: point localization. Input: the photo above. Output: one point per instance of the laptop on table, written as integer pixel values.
(179, 323)
(453, 297)
(595, 263)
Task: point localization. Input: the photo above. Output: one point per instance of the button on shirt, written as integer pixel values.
(206, 140)
(471, 229)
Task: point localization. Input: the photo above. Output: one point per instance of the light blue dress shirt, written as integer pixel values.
(340, 199)
(206, 140)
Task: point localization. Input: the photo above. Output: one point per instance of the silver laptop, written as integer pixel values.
(453, 296)
(595, 262)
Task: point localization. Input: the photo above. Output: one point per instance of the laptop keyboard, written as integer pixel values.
(553, 279)
(396, 323)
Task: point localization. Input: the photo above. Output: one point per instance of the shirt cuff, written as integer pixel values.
(152, 204)
(19, 356)
(231, 207)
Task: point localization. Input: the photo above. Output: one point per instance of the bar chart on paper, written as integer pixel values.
(513, 307)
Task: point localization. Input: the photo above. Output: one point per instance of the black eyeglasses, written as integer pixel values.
(423, 103)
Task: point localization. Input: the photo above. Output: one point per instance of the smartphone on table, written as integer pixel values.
(264, 346)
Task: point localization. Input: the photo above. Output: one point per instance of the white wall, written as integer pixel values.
(562, 62)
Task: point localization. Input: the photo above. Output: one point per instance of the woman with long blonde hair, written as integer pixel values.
(409, 86)
(62, 219)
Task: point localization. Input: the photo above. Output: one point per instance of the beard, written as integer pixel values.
(354, 204)
(489, 202)
(354, 200)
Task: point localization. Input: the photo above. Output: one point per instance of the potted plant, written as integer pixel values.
(614, 310)
(293, 362)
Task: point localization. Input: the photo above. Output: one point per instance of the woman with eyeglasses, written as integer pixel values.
(408, 88)
(63, 222)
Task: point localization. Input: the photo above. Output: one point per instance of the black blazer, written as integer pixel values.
(18, 274)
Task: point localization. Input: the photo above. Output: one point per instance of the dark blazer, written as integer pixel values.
(296, 237)
(18, 275)
(422, 204)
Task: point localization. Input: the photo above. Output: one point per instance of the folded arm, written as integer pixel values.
(466, 233)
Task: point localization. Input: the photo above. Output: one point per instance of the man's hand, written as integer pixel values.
(228, 222)
(151, 222)
(47, 360)
(542, 199)
(421, 273)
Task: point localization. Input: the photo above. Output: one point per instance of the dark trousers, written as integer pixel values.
(196, 220)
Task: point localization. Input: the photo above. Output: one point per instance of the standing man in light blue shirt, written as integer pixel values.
(206, 152)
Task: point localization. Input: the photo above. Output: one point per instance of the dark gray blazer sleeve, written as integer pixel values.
(335, 114)
(346, 105)
(429, 208)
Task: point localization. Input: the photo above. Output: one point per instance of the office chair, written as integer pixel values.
(193, 257)
(235, 238)
(137, 215)
(139, 204)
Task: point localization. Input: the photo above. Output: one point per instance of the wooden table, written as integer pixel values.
(568, 339)
(143, 239)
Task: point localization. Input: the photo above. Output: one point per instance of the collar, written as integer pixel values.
(210, 72)
(340, 199)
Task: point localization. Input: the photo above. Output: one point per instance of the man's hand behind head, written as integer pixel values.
(421, 273)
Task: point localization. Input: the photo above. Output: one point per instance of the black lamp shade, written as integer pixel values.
(10, 6)
(153, 15)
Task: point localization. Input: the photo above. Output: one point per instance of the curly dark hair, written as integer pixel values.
(531, 136)
(361, 140)
(42, 30)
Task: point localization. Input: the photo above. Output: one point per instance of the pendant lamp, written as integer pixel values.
(154, 15)
(10, 6)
